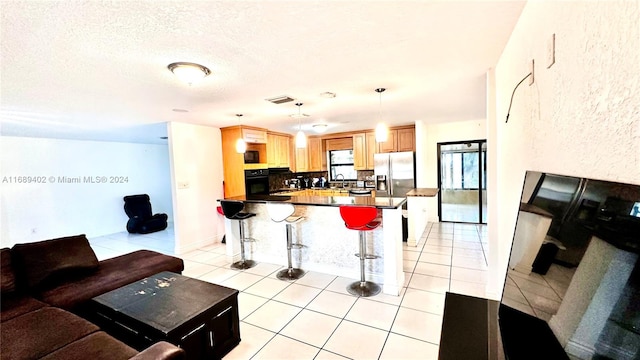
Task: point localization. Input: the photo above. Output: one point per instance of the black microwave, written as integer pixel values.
(251, 157)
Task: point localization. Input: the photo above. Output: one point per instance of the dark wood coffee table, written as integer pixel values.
(200, 317)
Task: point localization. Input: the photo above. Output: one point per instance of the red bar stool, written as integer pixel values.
(284, 212)
(361, 218)
(233, 211)
(219, 210)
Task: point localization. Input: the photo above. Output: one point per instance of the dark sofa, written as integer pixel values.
(46, 285)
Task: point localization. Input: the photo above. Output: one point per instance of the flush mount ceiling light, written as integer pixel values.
(241, 145)
(189, 72)
(382, 132)
(301, 139)
(319, 128)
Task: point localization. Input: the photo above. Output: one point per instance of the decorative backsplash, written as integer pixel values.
(277, 181)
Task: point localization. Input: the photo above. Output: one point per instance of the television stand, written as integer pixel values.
(477, 328)
(470, 329)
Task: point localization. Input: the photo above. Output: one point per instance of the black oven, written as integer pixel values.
(256, 182)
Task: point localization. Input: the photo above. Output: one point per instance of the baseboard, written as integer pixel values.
(197, 245)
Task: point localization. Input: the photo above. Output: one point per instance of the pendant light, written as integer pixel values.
(382, 132)
(301, 138)
(241, 146)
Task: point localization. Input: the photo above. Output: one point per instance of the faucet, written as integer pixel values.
(342, 179)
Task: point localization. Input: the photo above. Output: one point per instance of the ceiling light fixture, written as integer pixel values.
(301, 139)
(382, 132)
(189, 72)
(241, 145)
(320, 128)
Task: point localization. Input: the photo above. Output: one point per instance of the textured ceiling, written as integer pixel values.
(98, 69)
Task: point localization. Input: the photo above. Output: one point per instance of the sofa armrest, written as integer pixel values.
(161, 351)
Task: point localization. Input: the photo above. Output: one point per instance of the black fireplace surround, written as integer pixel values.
(572, 286)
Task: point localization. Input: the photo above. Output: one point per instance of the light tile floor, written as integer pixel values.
(315, 318)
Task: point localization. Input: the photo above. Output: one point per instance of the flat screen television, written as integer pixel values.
(572, 289)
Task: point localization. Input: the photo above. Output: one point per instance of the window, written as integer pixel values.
(341, 162)
(460, 170)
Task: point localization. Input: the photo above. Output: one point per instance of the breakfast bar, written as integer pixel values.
(328, 246)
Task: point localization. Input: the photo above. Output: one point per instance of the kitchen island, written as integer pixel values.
(329, 247)
(417, 207)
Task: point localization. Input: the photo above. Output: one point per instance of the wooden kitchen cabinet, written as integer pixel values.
(402, 139)
(406, 139)
(364, 146)
(309, 158)
(302, 160)
(372, 147)
(391, 145)
(314, 145)
(278, 150)
(233, 162)
(359, 151)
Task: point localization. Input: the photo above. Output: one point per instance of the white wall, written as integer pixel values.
(196, 183)
(581, 117)
(427, 138)
(40, 211)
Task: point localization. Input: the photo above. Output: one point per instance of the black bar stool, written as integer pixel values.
(361, 218)
(233, 211)
(280, 212)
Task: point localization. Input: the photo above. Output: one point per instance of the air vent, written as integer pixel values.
(280, 99)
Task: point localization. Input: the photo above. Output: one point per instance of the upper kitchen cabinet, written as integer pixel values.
(359, 151)
(302, 160)
(314, 145)
(253, 135)
(310, 158)
(406, 139)
(364, 146)
(372, 148)
(278, 150)
(400, 139)
(391, 145)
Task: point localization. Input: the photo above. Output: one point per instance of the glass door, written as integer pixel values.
(462, 179)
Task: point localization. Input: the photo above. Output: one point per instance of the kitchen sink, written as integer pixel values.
(360, 191)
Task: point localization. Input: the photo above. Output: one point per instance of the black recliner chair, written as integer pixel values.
(141, 219)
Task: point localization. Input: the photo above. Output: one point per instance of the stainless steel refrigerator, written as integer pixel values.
(395, 173)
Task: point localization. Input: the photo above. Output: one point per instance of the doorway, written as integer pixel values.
(462, 179)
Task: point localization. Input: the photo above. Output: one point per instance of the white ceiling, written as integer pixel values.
(98, 69)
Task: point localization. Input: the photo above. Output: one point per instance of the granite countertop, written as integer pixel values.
(379, 202)
(424, 192)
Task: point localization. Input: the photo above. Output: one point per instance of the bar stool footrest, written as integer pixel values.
(364, 288)
(298, 246)
(368, 256)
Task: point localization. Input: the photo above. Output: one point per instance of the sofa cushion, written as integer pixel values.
(44, 263)
(96, 346)
(7, 275)
(37, 333)
(112, 274)
(14, 305)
